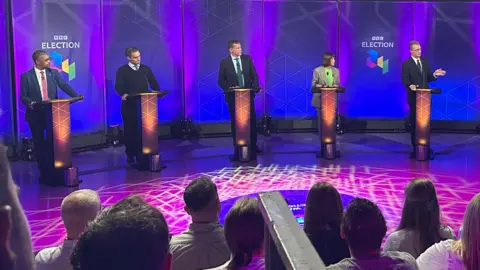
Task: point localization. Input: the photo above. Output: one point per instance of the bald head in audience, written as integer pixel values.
(78, 209)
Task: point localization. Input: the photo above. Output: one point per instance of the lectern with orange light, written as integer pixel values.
(147, 129)
(244, 100)
(422, 121)
(58, 136)
(328, 136)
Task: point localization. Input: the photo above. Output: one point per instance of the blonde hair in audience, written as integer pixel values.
(468, 247)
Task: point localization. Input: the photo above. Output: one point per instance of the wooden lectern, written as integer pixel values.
(58, 136)
(244, 100)
(328, 136)
(422, 121)
(147, 129)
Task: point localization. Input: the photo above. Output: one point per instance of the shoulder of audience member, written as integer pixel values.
(405, 257)
(44, 256)
(446, 232)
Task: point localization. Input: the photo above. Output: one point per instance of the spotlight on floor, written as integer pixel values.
(27, 151)
(114, 135)
(187, 129)
(266, 126)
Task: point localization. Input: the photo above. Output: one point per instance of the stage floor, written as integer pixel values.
(375, 166)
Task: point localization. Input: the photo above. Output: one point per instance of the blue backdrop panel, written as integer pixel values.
(158, 35)
(209, 25)
(71, 34)
(6, 113)
(450, 37)
(374, 39)
(297, 34)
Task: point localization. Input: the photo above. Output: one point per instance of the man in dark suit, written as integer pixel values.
(416, 73)
(237, 70)
(37, 85)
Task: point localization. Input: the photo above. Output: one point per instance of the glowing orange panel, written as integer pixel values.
(242, 117)
(61, 134)
(422, 132)
(329, 112)
(149, 107)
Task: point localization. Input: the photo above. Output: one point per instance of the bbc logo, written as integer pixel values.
(57, 37)
(377, 38)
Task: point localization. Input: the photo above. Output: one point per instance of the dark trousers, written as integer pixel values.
(230, 98)
(37, 123)
(131, 128)
(412, 104)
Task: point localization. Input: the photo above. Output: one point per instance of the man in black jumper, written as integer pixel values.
(133, 78)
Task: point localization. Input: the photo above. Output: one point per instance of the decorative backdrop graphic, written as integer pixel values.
(67, 30)
(184, 41)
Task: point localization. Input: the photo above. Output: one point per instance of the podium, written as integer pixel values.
(328, 136)
(243, 99)
(422, 121)
(58, 136)
(147, 129)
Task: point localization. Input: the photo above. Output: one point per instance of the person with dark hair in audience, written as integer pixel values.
(244, 231)
(457, 255)
(78, 208)
(203, 245)
(420, 225)
(15, 244)
(363, 227)
(130, 234)
(133, 78)
(323, 216)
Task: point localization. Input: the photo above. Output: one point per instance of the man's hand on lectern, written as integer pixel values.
(336, 85)
(439, 72)
(124, 97)
(318, 85)
(31, 104)
(413, 87)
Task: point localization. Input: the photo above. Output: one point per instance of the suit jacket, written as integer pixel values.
(319, 77)
(30, 87)
(227, 77)
(411, 75)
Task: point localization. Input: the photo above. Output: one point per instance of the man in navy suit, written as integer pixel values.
(37, 85)
(237, 70)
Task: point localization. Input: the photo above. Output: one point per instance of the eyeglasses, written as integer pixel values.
(417, 50)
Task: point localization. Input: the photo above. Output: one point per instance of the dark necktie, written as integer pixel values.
(239, 73)
(419, 65)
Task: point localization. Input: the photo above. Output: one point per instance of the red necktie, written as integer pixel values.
(44, 86)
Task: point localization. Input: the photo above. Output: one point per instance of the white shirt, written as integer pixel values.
(39, 79)
(406, 240)
(57, 258)
(416, 61)
(235, 65)
(134, 67)
(440, 256)
(201, 246)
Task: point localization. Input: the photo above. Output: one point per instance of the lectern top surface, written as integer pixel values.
(243, 89)
(62, 100)
(432, 90)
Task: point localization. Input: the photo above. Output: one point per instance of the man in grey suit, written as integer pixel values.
(324, 75)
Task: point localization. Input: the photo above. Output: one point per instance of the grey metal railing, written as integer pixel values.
(286, 245)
